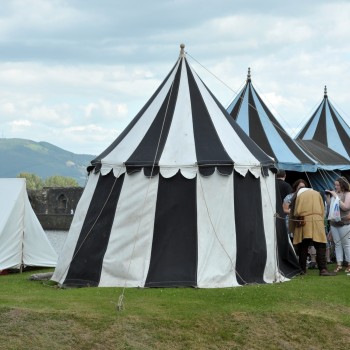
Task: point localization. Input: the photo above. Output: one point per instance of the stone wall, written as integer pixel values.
(55, 222)
(55, 206)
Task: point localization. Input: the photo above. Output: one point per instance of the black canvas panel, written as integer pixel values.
(287, 260)
(322, 153)
(258, 153)
(151, 171)
(86, 265)
(320, 134)
(306, 127)
(256, 130)
(174, 248)
(290, 143)
(250, 234)
(206, 170)
(209, 149)
(236, 108)
(150, 148)
(131, 124)
(224, 170)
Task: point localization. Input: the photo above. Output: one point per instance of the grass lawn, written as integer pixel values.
(309, 312)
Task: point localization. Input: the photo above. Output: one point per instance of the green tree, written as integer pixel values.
(34, 182)
(60, 181)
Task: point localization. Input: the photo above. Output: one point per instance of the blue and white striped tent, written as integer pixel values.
(327, 127)
(253, 116)
(183, 197)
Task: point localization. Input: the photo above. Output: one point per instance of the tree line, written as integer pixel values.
(35, 182)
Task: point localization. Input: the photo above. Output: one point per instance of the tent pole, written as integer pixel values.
(22, 250)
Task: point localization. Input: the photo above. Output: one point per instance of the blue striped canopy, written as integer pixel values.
(253, 116)
(327, 127)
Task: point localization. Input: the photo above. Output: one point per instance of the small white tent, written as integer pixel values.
(22, 238)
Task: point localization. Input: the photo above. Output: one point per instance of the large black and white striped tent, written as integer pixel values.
(255, 118)
(183, 197)
(326, 126)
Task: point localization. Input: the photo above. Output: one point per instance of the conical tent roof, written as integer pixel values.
(169, 202)
(327, 127)
(253, 116)
(182, 127)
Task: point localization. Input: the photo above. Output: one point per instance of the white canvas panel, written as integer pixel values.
(232, 103)
(127, 146)
(189, 172)
(254, 170)
(126, 261)
(168, 172)
(232, 143)
(312, 127)
(117, 170)
(67, 252)
(181, 129)
(11, 222)
(268, 197)
(216, 232)
(243, 114)
(37, 249)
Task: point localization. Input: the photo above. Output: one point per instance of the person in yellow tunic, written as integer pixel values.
(307, 225)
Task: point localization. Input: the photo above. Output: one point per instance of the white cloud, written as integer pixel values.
(91, 109)
(7, 108)
(89, 139)
(54, 115)
(106, 109)
(27, 17)
(83, 69)
(20, 123)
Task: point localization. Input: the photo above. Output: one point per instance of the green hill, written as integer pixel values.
(41, 158)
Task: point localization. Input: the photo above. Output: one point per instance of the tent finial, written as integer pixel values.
(182, 50)
(325, 91)
(249, 76)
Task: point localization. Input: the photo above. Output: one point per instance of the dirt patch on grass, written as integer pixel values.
(26, 329)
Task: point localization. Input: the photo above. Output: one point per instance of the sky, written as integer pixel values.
(75, 72)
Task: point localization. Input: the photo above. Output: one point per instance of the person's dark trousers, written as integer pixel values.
(302, 251)
(321, 255)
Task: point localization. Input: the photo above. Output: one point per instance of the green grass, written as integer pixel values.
(309, 312)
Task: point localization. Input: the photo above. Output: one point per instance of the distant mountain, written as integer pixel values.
(41, 158)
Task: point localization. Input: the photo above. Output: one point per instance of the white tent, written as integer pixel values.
(22, 238)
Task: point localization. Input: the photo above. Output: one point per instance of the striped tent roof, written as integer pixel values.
(182, 127)
(251, 113)
(326, 157)
(178, 227)
(327, 127)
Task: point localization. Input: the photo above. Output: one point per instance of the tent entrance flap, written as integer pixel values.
(174, 248)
